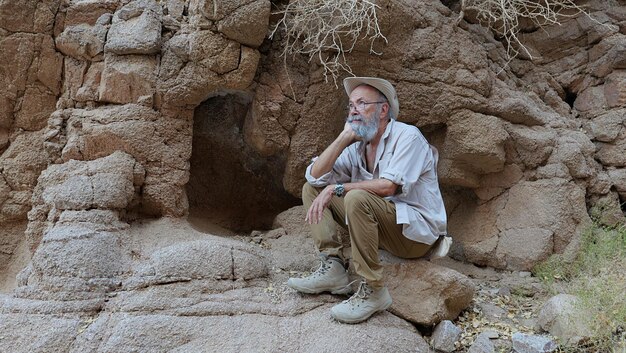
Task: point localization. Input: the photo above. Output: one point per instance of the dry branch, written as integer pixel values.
(325, 30)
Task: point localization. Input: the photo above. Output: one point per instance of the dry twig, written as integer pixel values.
(326, 30)
(503, 17)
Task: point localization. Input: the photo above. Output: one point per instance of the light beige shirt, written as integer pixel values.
(407, 159)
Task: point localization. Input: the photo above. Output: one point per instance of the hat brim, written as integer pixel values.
(384, 86)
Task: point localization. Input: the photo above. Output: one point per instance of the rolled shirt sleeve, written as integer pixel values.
(406, 163)
(339, 174)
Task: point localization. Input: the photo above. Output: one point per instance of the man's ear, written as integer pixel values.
(384, 111)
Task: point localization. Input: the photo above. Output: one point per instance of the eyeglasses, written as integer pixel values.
(360, 106)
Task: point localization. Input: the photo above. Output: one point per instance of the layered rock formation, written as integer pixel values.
(114, 110)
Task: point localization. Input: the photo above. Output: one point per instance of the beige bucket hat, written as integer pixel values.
(350, 83)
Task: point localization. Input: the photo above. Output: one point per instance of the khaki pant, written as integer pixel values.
(371, 224)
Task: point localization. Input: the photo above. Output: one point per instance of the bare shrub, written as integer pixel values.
(503, 17)
(326, 30)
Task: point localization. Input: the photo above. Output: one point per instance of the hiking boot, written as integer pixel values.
(331, 276)
(363, 304)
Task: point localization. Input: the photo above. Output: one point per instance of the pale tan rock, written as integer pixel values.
(83, 42)
(615, 89)
(612, 154)
(74, 72)
(521, 249)
(175, 8)
(592, 98)
(562, 317)
(28, 16)
(554, 205)
(607, 127)
(216, 10)
(161, 145)
(534, 145)
(247, 24)
(263, 129)
(443, 293)
(450, 173)
(575, 151)
(17, 52)
(127, 78)
(91, 83)
(618, 180)
(50, 66)
(88, 12)
(35, 108)
(475, 141)
(608, 55)
(473, 227)
(224, 64)
(136, 29)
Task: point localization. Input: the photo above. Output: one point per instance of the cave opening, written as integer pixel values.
(230, 184)
(570, 97)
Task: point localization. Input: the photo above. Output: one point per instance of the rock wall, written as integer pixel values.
(527, 147)
(112, 111)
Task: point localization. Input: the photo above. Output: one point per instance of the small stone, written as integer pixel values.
(524, 274)
(482, 344)
(523, 343)
(504, 291)
(491, 334)
(445, 336)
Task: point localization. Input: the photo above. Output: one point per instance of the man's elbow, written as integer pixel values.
(390, 188)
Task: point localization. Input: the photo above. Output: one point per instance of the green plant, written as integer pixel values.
(597, 276)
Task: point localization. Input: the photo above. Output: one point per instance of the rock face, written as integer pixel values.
(115, 110)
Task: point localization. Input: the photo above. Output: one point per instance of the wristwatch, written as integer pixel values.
(339, 190)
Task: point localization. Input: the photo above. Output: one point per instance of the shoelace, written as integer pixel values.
(323, 267)
(361, 294)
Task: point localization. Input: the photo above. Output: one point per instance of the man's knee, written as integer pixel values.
(357, 200)
(309, 192)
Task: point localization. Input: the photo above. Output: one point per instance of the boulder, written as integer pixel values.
(210, 259)
(224, 64)
(106, 183)
(475, 141)
(248, 24)
(562, 318)
(445, 336)
(127, 78)
(83, 42)
(135, 29)
(27, 333)
(482, 344)
(607, 127)
(312, 331)
(425, 293)
(523, 343)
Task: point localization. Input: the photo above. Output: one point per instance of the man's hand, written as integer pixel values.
(349, 134)
(321, 202)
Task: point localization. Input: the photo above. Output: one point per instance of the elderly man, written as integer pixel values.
(378, 178)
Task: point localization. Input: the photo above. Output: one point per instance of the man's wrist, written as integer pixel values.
(339, 190)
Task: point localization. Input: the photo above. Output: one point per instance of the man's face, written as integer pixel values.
(364, 118)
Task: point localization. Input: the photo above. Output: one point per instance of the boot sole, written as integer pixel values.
(356, 321)
(337, 290)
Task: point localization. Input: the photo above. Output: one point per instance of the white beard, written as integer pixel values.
(365, 131)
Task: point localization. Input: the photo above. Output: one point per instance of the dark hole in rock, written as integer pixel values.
(230, 184)
(570, 97)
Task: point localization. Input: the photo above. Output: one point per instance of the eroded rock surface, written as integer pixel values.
(99, 105)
